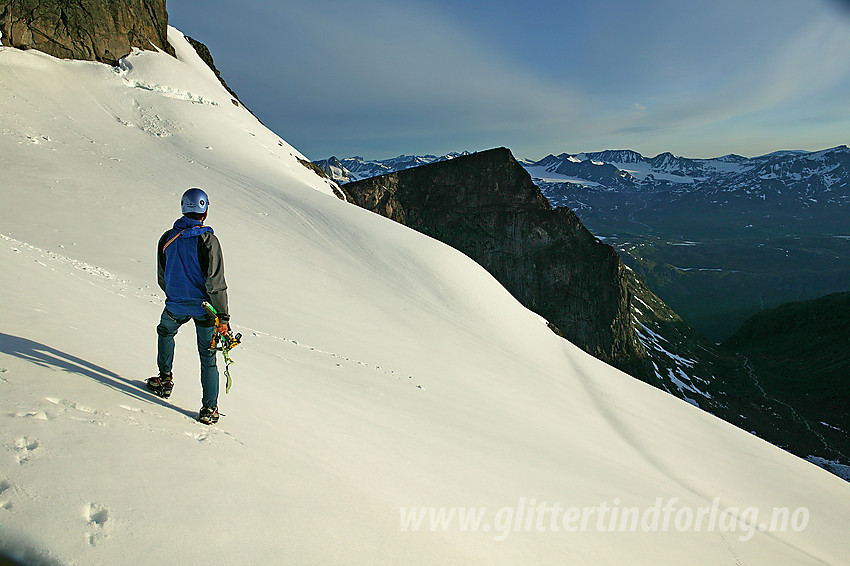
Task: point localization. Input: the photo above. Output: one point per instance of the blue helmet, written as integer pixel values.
(194, 200)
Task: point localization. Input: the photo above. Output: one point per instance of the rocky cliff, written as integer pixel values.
(205, 55)
(90, 30)
(486, 206)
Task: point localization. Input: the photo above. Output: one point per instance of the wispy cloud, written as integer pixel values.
(396, 69)
(381, 78)
(806, 72)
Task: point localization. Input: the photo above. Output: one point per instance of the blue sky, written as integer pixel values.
(386, 77)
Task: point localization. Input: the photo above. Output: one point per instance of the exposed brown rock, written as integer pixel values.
(90, 30)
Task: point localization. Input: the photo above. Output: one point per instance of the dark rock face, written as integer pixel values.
(486, 206)
(90, 30)
(205, 55)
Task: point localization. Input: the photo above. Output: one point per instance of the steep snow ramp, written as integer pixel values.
(386, 386)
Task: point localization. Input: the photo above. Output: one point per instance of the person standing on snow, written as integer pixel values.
(190, 269)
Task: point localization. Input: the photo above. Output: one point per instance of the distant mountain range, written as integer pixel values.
(717, 239)
(790, 185)
(799, 178)
(356, 168)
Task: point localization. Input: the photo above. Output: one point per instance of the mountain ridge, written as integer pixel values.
(663, 161)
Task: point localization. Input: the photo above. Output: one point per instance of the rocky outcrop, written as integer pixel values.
(486, 206)
(205, 55)
(90, 30)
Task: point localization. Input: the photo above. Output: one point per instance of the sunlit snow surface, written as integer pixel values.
(380, 369)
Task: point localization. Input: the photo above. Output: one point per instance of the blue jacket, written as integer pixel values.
(190, 269)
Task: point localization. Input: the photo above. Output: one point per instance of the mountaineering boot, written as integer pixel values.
(161, 385)
(208, 415)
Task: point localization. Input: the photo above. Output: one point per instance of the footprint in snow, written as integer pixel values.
(200, 437)
(5, 491)
(95, 413)
(36, 415)
(97, 520)
(25, 446)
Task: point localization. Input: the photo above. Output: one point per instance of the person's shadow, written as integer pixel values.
(47, 356)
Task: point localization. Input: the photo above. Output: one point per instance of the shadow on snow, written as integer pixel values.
(49, 357)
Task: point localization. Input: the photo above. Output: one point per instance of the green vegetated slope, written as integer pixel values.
(801, 353)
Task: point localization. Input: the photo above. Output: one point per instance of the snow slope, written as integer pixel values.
(380, 370)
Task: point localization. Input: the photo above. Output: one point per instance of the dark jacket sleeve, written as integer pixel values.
(212, 264)
(160, 261)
